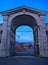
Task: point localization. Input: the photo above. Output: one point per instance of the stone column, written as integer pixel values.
(36, 41)
(42, 38)
(8, 40)
(4, 37)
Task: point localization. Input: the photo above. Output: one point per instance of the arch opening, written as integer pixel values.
(21, 20)
(24, 40)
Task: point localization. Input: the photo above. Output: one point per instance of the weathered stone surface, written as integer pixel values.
(27, 16)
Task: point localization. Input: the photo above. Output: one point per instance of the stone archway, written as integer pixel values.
(31, 17)
(23, 20)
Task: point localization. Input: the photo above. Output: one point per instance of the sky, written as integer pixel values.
(37, 4)
(24, 34)
(10, 4)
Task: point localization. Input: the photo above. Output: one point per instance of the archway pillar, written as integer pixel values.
(8, 40)
(11, 41)
(36, 41)
(42, 38)
(4, 37)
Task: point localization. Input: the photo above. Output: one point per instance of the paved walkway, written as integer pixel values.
(24, 60)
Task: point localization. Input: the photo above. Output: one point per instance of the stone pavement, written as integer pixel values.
(24, 60)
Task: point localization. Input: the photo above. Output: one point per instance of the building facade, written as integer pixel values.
(23, 16)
